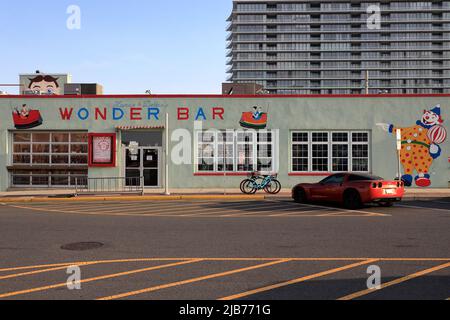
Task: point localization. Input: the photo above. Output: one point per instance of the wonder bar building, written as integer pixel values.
(203, 142)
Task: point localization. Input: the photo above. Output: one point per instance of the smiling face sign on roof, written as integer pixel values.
(420, 146)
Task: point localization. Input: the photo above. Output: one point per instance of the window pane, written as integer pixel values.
(245, 136)
(40, 180)
(79, 148)
(22, 148)
(60, 159)
(23, 180)
(21, 137)
(21, 159)
(320, 157)
(360, 137)
(60, 148)
(340, 137)
(41, 148)
(320, 136)
(79, 137)
(78, 159)
(264, 136)
(41, 159)
(300, 137)
(41, 137)
(60, 137)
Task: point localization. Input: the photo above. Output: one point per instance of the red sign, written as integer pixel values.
(102, 149)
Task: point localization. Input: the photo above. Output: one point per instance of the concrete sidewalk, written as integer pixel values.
(64, 195)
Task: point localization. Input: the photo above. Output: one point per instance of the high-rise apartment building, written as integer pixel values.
(332, 47)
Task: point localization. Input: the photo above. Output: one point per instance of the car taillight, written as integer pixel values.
(374, 185)
(380, 185)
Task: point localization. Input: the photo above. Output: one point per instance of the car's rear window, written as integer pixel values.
(363, 177)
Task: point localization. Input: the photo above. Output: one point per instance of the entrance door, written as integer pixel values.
(145, 163)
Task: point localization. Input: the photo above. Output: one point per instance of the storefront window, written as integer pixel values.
(241, 151)
(52, 150)
(339, 151)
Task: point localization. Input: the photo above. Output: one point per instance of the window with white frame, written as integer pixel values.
(234, 151)
(46, 159)
(330, 151)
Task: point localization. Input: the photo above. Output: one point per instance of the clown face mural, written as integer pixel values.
(420, 146)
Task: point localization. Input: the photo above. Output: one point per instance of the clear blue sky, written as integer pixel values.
(172, 46)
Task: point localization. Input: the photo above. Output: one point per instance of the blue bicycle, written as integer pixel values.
(257, 182)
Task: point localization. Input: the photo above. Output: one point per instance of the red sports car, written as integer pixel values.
(351, 190)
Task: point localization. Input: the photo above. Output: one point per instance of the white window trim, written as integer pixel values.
(330, 143)
(235, 144)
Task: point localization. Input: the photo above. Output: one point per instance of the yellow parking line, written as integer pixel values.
(264, 213)
(397, 281)
(298, 280)
(109, 276)
(179, 283)
(138, 207)
(238, 208)
(17, 275)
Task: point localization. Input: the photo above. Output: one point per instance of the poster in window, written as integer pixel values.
(102, 150)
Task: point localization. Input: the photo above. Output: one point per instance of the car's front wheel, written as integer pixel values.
(300, 196)
(352, 200)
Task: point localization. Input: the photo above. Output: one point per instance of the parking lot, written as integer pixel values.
(229, 250)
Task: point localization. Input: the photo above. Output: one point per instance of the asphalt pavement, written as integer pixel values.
(232, 250)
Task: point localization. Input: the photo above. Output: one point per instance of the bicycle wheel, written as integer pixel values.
(248, 187)
(274, 187)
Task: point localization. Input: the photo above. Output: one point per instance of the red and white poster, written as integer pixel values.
(102, 150)
(102, 147)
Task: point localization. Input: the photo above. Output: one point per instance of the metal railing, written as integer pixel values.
(109, 185)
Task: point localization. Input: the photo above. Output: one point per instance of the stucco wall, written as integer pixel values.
(285, 114)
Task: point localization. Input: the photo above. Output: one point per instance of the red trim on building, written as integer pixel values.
(310, 174)
(219, 96)
(113, 150)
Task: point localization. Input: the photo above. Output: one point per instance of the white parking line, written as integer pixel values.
(296, 213)
(419, 207)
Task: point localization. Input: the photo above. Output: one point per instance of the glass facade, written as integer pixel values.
(326, 47)
(48, 159)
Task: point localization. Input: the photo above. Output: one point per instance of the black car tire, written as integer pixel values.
(352, 200)
(300, 196)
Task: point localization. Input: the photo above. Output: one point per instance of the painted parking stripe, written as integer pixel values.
(420, 207)
(397, 281)
(219, 209)
(109, 276)
(188, 281)
(183, 208)
(298, 280)
(285, 208)
(239, 209)
(295, 213)
(137, 206)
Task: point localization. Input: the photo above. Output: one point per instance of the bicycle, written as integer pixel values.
(257, 182)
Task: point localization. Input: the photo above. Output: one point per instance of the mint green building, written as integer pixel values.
(214, 141)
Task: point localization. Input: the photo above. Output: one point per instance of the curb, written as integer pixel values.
(133, 198)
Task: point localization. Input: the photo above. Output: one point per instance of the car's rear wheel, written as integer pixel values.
(300, 196)
(352, 200)
(386, 204)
